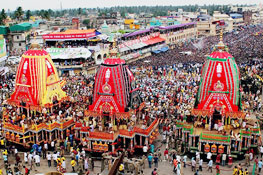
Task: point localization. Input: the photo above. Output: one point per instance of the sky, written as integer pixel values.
(55, 4)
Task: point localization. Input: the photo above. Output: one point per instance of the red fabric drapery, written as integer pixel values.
(154, 40)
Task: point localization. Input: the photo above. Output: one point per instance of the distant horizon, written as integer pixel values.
(67, 4)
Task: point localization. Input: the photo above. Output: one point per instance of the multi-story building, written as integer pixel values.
(247, 16)
(238, 19)
(20, 36)
(237, 9)
(210, 26)
(175, 34)
(226, 20)
(205, 26)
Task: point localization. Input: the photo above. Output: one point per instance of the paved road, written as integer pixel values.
(165, 168)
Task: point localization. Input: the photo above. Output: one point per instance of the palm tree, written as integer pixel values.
(28, 14)
(47, 15)
(3, 17)
(80, 11)
(3, 14)
(19, 13)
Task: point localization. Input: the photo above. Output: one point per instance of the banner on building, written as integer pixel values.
(2, 48)
(68, 53)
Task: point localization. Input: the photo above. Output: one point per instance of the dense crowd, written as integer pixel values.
(168, 83)
(243, 44)
(169, 92)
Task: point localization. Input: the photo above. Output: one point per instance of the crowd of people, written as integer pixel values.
(243, 44)
(168, 83)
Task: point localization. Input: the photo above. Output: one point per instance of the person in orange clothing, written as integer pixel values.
(175, 162)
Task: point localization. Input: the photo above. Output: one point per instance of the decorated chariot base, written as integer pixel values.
(32, 116)
(218, 124)
(39, 108)
(114, 120)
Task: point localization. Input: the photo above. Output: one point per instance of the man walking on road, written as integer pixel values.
(210, 165)
(247, 159)
(49, 159)
(150, 158)
(193, 164)
(224, 160)
(201, 165)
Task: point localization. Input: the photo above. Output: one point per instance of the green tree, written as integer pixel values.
(28, 14)
(86, 22)
(51, 12)
(42, 14)
(80, 11)
(3, 14)
(3, 17)
(1, 21)
(46, 15)
(19, 13)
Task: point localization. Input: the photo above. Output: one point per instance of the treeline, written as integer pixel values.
(20, 14)
(163, 10)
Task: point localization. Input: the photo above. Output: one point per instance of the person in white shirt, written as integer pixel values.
(178, 168)
(83, 153)
(37, 159)
(46, 146)
(58, 154)
(201, 165)
(185, 159)
(261, 151)
(25, 158)
(210, 165)
(145, 149)
(244, 124)
(86, 164)
(223, 159)
(49, 159)
(178, 158)
(54, 156)
(197, 155)
(193, 164)
(63, 164)
(209, 155)
(52, 145)
(30, 157)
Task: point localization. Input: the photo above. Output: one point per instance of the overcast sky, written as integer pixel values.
(55, 4)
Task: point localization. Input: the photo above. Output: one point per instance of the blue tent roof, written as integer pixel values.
(164, 49)
(236, 15)
(156, 51)
(36, 23)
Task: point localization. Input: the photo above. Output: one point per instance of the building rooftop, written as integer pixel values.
(3, 30)
(22, 27)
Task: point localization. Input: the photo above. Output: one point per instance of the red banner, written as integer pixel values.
(68, 36)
